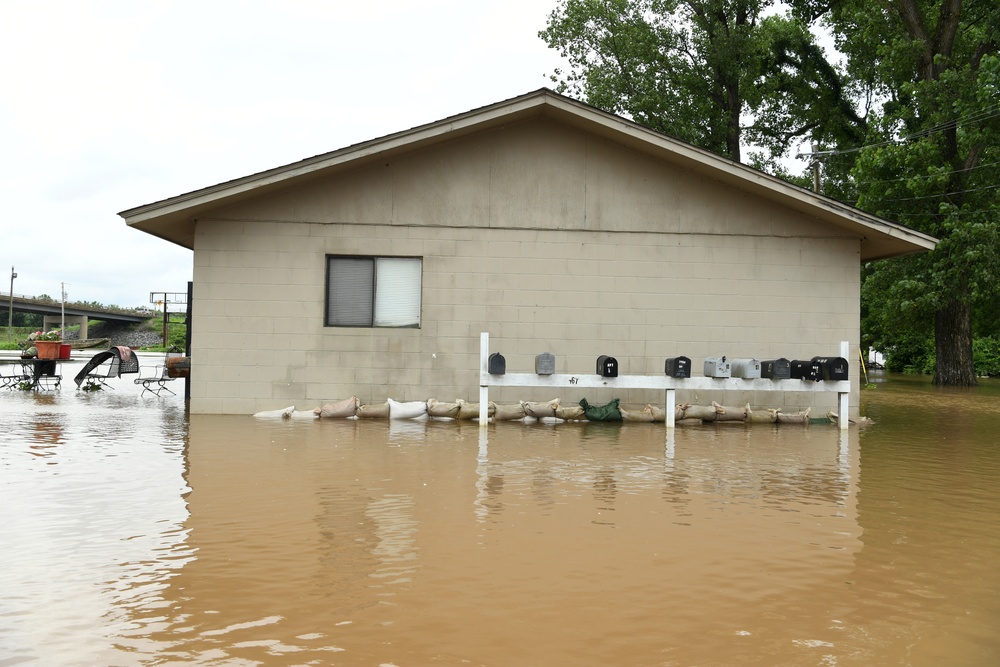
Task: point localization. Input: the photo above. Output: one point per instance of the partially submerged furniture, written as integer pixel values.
(103, 366)
(156, 380)
(13, 374)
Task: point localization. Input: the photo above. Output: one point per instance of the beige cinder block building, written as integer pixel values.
(554, 226)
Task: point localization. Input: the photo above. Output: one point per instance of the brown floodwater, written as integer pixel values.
(134, 534)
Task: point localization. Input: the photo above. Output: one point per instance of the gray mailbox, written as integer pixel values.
(497, 365)
(748, 369)
(717, 367)
(776, 369)
(607, 367)
(677, 367)
(545, 364)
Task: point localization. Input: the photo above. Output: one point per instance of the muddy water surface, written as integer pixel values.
(135, 535)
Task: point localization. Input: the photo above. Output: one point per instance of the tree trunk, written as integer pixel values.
(953, 341)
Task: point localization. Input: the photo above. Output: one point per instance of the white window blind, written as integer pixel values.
(397, 292)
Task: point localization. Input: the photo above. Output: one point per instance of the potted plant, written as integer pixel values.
(47, 343)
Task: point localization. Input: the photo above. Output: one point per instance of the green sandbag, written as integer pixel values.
(601, 413)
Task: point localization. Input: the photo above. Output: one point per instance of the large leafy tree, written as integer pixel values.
(697, 69)
(931, 162)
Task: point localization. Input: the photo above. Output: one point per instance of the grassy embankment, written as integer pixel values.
(175, 334)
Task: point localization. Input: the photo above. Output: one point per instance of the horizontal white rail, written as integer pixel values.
(664, 382)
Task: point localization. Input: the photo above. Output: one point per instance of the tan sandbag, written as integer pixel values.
(703, 412)
(571, 413)
(728, 414)
(374, 411)
(796, 418)
(342, 409)
(766, 416)
(471, 410)
(507, 412)
(660, 414)
(644, 415)
(436, 408)
(538, 409)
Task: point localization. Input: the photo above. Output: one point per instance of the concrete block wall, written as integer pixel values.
(260, 343)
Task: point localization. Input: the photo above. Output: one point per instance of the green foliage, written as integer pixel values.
(986, 353)
(176, 334)
(694, 69)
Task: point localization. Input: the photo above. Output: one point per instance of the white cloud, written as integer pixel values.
(110, 104)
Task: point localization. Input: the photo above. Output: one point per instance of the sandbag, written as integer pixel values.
(539, 409)
(608, 412)
(304, 414)
(284, 413)
(767, 416)
(728, 414)
(407, 410)
(436, 408)
(644, 415)
(373, 411)
(703, 412)
(471, 410)
(570, 413)
(343, 409)
(507, 412)
(794, 418)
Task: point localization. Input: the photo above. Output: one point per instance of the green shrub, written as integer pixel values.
(986, 356)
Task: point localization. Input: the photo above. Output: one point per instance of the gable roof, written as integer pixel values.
(174, 219)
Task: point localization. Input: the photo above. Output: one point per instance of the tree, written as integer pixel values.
(694, 69)
(930, 161)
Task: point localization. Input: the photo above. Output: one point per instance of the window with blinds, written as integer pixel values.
(373, 291)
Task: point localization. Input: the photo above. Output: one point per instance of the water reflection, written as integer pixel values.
(162, 539)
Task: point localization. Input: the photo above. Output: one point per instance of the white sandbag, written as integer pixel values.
(373, 411)
(343, 409)
(284, 413)
(539, 409)
(436, 408)
(304, 414)
(407, 410)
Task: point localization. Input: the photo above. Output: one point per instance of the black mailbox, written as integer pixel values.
(804, 370)
(497, 365)
(677, 367)
(607, 366)
(776, 369)
(831, 369)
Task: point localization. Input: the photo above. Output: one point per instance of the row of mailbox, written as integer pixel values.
(831, 369)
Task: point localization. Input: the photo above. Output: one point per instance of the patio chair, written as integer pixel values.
(156, 380)
(12, 375)
(103, 366)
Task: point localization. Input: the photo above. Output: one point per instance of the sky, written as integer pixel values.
(106, 105)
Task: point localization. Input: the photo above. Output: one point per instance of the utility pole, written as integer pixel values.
(62, 316)
(10, 307)
(815, 165)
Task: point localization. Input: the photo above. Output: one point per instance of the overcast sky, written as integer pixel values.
(110, 104)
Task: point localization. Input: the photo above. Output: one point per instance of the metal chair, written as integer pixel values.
(120, 360)
(12, 375)
(156, 381)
